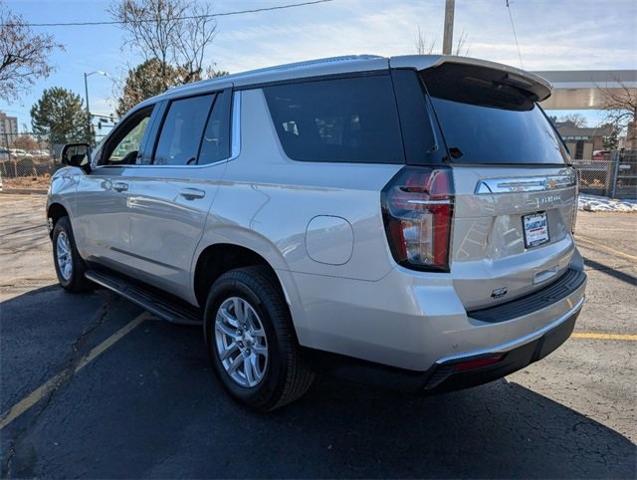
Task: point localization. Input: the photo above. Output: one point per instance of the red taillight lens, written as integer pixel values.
(417, 210)
(477, 363)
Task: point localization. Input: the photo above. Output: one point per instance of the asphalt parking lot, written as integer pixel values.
(106, 391)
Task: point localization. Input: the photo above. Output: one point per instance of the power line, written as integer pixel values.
(515, 35)
(189, 17)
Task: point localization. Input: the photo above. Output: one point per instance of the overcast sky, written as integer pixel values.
(553, 35)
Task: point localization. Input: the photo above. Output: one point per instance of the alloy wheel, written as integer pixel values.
(63, 254)
(241, 342)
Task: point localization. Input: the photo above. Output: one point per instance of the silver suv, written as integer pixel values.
(405, 221)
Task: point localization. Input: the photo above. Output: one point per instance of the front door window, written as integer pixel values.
(125, 145)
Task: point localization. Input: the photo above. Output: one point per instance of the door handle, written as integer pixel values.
(120, 186)
(192, 193)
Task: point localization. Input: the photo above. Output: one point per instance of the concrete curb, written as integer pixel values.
(23, 191)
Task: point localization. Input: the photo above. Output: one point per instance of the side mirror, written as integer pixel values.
(77, 155)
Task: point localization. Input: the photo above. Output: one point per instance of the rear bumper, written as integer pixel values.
(418, 323)
(462, 371)
(501, 360)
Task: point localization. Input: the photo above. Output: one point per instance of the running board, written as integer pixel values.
(177, 311)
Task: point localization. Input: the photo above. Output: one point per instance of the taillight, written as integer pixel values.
(417, 210)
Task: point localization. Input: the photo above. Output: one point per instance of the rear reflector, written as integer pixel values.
(417, 209)
(477, 363)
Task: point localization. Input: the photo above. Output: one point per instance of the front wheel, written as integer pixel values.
(251, 340)
(69, 266)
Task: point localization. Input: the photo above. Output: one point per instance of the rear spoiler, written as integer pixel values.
(514, 77)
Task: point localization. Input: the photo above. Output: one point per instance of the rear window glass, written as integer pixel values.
(339, 120)
(486, 119)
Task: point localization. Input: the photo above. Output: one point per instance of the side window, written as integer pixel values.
(215, 145)
(182, 130)
(123, 148)
(340, 120)
(415, 120)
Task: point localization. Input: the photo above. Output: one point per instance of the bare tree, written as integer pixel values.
(200, 31)
(175, 32)
(575, 118)
(25, 142)
(23, 55)
(461, 45)
(424, 46)
(620, 103)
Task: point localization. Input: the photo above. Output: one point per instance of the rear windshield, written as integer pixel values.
(487, 119)
(337, 120)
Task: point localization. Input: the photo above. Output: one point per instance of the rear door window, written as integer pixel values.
(215, 145)
(182, 130)
(487, 120)
(337, 120)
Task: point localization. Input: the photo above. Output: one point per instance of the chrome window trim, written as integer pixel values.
(538, 183)
(235, 128)
(235, 142)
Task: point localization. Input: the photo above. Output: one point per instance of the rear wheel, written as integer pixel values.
(251, 340)
(69, 266)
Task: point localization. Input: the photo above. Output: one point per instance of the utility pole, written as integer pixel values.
(447, 40)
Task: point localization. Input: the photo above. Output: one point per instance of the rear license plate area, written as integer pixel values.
(536, 229)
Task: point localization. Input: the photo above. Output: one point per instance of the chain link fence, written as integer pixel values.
(613, 176)
(625, 175)
(27, 161)
(594, 176)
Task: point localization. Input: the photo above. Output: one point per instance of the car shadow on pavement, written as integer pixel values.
(613, 272)
(150, 407)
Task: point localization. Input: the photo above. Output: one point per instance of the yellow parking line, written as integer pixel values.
(110, 341)
(43, 390)
(27, 402)
(626, 337)
(585, 242)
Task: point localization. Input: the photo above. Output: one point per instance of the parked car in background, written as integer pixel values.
(20, 153)
(404, 220)
(39, 153)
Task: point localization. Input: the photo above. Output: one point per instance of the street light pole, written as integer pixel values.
(88, 110)
(447, 40)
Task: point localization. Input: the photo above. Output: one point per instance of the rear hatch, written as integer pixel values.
(515, 196)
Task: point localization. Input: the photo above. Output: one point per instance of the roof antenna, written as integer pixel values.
(515, 35)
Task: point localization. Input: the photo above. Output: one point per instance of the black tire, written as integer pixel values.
(76, 282)
(287, 376)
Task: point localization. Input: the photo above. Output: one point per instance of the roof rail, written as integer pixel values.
(309, 63)
(287, 66)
